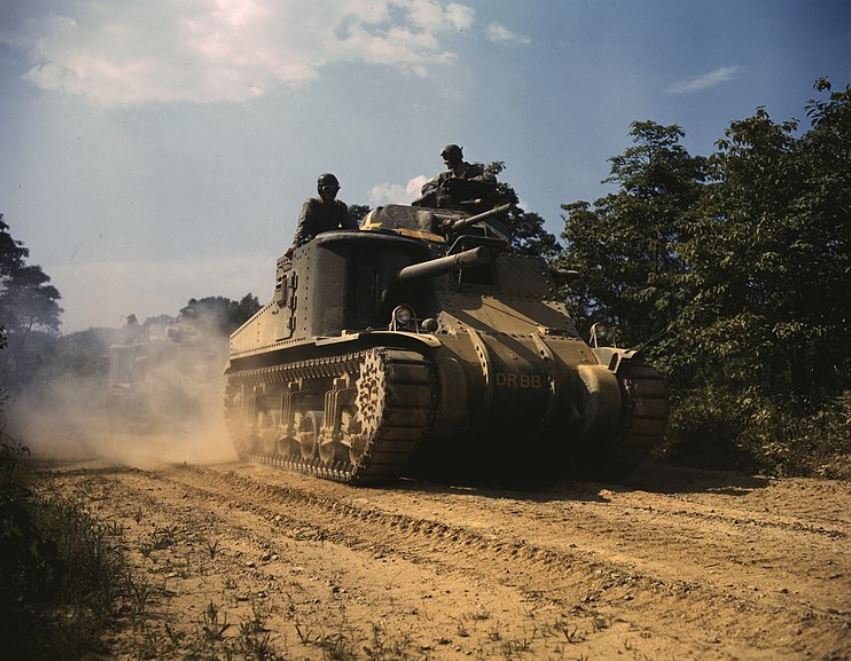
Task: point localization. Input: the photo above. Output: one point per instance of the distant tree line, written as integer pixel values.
(31, 346)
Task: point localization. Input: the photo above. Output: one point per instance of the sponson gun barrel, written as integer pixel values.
(464, 223)
(435, 267)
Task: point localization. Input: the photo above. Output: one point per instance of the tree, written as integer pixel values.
(625, 246)
(824, 212)
(770, 257)
(526, 228)
(28, 304)
(219, 312)
(737, 254)
(27, 300)
(528, 237)
(358, 212)
(741, 262)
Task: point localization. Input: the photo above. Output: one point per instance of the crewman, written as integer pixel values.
(435, 192)
(322, 214)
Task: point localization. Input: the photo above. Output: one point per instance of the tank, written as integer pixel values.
(161, 375)
(420, 346)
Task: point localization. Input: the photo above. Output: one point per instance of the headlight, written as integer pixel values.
(403, 315)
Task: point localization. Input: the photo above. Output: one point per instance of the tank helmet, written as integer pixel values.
(450, 149)
(328, 180)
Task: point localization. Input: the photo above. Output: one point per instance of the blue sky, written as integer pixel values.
(161, 150)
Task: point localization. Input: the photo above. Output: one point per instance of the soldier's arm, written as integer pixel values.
(304, 231)
(430, 186)
(478, 173)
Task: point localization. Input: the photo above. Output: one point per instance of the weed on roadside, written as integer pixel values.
(251, 639)
(212, 629)
(384, 647)
(570, 633)
(61, 582)
(254, 637)
(139, 592)
(510, 648)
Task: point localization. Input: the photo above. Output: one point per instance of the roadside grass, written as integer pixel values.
(333, 638)
(64, 575)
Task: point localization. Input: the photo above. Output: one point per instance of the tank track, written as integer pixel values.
(396, 401)
(646, 411)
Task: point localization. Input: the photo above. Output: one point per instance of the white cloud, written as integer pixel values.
(500, 34)
(705, 81)
(387, 193)
(119, 53)
(435, 17)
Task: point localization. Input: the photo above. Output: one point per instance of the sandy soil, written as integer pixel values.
(676, 564)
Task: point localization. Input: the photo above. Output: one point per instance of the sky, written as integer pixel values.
(155, 151)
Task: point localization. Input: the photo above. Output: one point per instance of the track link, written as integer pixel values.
(396, 400)
(647, 408)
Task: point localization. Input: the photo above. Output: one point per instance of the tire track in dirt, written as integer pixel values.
(815, 501)
(788, 565)
(540, 560)
(498, 620)
(777, 556)
(559, 575)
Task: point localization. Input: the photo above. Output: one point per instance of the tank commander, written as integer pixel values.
(132, 332)
(322, 214)
(438, 191)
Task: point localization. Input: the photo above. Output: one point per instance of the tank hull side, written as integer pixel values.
(510, 390)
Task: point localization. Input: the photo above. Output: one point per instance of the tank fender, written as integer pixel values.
(601, 411)
(613, 356)
(425, 339)
(452, 411)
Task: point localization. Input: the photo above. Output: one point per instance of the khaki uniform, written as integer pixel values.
(471, 172)
(317, 217)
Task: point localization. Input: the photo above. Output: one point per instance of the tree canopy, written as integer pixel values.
(526, 228)
(27, 299)
(29, 310)
(219, 312)
(736, 267)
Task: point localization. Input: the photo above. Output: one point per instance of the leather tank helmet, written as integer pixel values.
(327, 180)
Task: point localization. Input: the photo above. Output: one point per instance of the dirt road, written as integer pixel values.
(676, 564)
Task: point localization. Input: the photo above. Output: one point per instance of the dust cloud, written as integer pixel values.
(156, 395)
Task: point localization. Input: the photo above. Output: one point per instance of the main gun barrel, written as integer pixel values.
(459, 225)
(435, 267)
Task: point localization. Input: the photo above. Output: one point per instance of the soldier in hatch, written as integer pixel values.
(132, 332)
(438, 192)
(322, 214)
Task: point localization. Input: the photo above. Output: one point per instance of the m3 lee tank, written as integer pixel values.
(419, 345)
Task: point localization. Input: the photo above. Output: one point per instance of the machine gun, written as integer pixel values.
(457, 194)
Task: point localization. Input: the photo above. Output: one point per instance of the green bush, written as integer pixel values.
(705, 426)
(61, 570)
(788, 441)
(726, 428)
